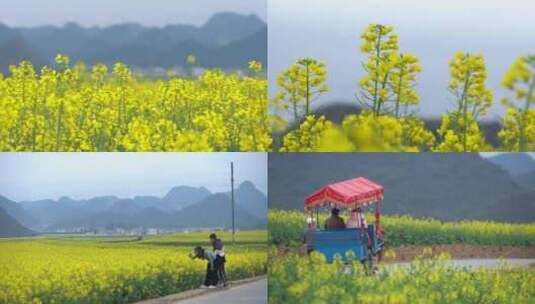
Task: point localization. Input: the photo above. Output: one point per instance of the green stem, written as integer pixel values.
(376, 80)
(522, 141)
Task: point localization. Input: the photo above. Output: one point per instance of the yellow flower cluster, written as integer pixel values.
(363, 132)
(518, 133)
(461, 134)
(71, 109)
(115, 270)
(388, 89)
(299, 279)
(380, 45)
(468, 76)
(307, 137)
(300, 85)
(286, 227)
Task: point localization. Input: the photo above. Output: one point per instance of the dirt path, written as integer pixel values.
(462, 251)
(456, 251)
(486, 263)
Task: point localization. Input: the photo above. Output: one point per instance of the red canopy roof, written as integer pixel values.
(349, 193)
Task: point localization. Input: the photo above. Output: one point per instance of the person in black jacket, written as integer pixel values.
(220, 260)
(335, 222)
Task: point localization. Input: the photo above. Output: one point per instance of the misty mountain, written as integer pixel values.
(10, 227)
(146, 217)
(446, 186)
(181, 207)
(227, 40)
(520, 166)
(514, 163)
(183, 196)
(522, 211)
(14, 49)
(16, 211)
(215, 211)
(224, 28)
(526, 180)
(252, 200)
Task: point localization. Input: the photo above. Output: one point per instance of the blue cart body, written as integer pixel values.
(332, 242)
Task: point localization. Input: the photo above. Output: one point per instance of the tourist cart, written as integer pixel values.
(364, 242)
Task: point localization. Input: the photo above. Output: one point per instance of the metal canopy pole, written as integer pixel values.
(377, 214)
(317, 219)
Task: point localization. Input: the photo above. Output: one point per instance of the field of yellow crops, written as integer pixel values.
(74, 108)
(287, 227)
(116, 269)
(297, 279)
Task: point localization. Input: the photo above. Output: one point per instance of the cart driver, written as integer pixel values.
(335, 221)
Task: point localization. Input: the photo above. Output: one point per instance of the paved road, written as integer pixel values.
(254, 293)
(487, 263)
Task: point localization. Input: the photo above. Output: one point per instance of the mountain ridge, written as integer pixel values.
(10, 227)
(148, 210)
(226, 40)
(445, 186)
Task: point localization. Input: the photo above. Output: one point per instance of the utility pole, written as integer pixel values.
(232, 197)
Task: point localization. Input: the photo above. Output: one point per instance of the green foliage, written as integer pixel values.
(287, 227)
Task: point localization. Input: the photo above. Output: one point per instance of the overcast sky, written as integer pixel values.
(106, 12)
(32, 176)
(434, 30)
(492, 154)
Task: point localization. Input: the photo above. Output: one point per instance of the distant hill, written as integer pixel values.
(446, 186)
(16, 211)
(514, 163)
(14, 49)
(10, 227)
(527, 180)
(252, 200)
(181, 207)
(183, 196)
(523, 203)
(215, 211)
(227, 40)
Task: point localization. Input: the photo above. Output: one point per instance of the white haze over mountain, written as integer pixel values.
(108, 12)
(492, 154)
(432, 30)
(35, 176)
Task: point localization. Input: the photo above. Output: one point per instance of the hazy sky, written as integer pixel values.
(433, 30)
(491, 154)
(31, 176)
(106, 12)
